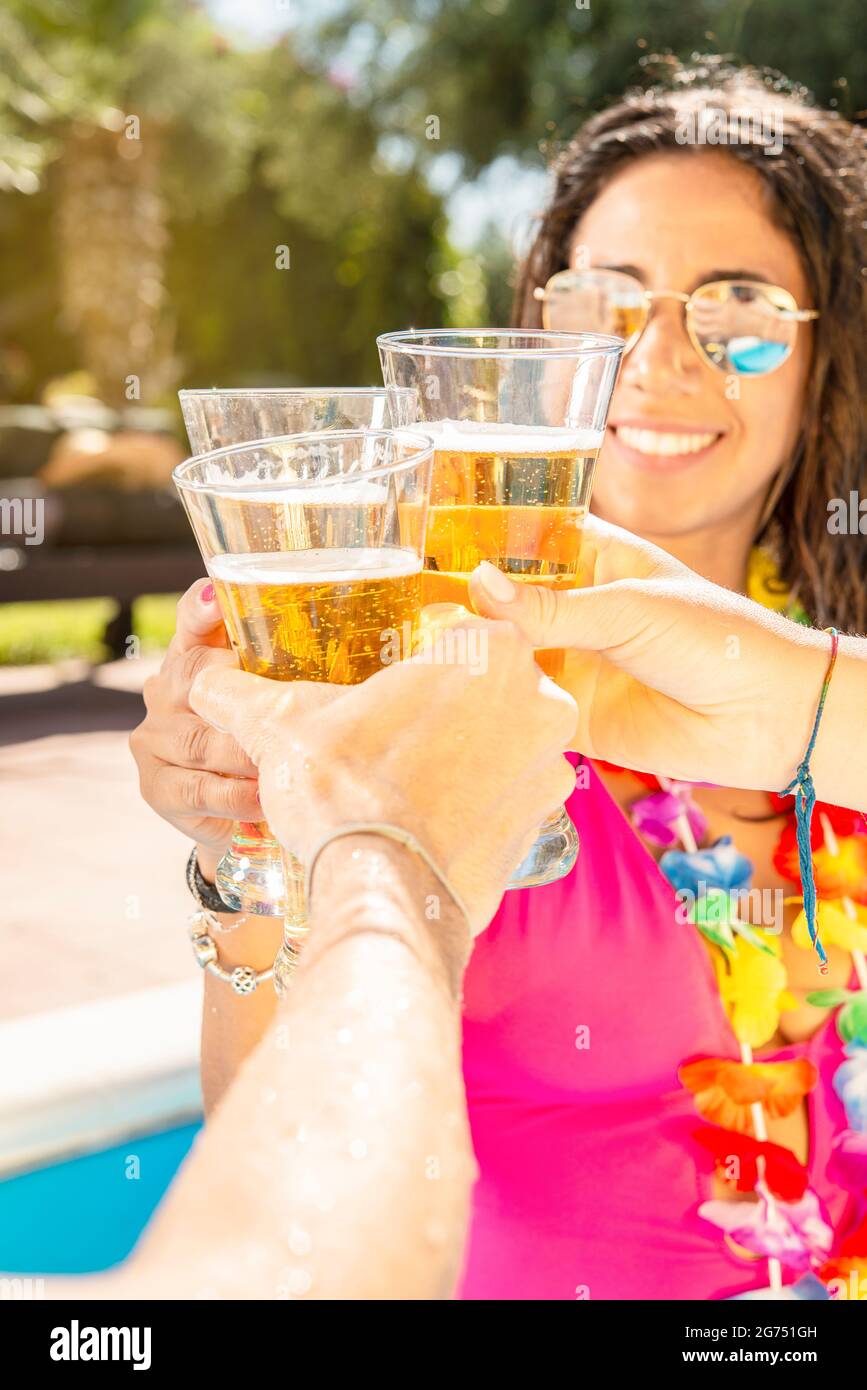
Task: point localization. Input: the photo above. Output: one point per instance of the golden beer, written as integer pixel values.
(317, 578)
(317, 615)
(515, 497)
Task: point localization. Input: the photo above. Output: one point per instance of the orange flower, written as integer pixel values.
(724, 1090)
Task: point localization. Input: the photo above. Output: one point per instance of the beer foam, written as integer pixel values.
(475, 436)
(360, 492)
(342, 565)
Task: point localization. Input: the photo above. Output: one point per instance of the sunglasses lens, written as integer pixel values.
(595, 301)
(743, 328)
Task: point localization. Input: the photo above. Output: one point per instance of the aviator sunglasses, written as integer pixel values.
(741, 326)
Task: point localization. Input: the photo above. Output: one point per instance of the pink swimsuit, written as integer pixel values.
(581, 1001)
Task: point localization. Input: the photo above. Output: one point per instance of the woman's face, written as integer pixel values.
(689, 447)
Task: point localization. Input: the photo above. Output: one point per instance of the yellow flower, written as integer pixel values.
(835, 928)
(752, 986)
(763, 582)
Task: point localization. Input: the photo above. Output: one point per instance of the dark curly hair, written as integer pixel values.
(818, 184)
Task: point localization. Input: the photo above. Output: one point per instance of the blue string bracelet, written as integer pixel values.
(805, 799)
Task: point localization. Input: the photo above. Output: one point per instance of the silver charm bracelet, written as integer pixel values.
(203, 924)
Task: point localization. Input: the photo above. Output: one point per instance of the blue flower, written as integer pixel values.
(720, 866)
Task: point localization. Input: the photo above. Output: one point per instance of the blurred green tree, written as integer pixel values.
(500, 75)
(116, 109)
(172, 169)
(150, 171)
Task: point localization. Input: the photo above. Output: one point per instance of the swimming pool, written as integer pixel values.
(86, 1213)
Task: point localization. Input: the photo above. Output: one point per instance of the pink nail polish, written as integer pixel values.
(208, 594)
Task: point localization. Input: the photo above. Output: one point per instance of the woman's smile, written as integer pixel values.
(662, 446)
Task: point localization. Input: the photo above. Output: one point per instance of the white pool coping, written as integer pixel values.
(84, 1078)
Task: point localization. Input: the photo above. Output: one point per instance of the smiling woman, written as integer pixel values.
(734, 275)
(734, 411)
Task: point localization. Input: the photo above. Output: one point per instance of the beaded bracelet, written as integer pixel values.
(206, 895)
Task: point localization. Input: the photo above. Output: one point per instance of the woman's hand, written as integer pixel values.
(466, 756)
(194, 777)
(671, 673)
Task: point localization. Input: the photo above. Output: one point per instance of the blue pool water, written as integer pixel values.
(86, 1214)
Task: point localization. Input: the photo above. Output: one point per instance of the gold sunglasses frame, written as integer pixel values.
(790, 313)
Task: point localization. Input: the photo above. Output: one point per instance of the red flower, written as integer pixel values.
(785, 1177)
(842, 821)
(839, 875)
(855, 1244)
(648, 778)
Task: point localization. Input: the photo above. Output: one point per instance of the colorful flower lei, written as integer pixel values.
(787, 1224)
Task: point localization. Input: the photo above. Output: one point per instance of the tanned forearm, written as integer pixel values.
(339, 1165)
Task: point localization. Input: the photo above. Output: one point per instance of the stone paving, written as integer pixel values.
(94, 903)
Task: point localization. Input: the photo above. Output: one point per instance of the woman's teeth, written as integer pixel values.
(656, 442)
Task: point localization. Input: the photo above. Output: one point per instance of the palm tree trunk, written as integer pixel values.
(111, 244)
